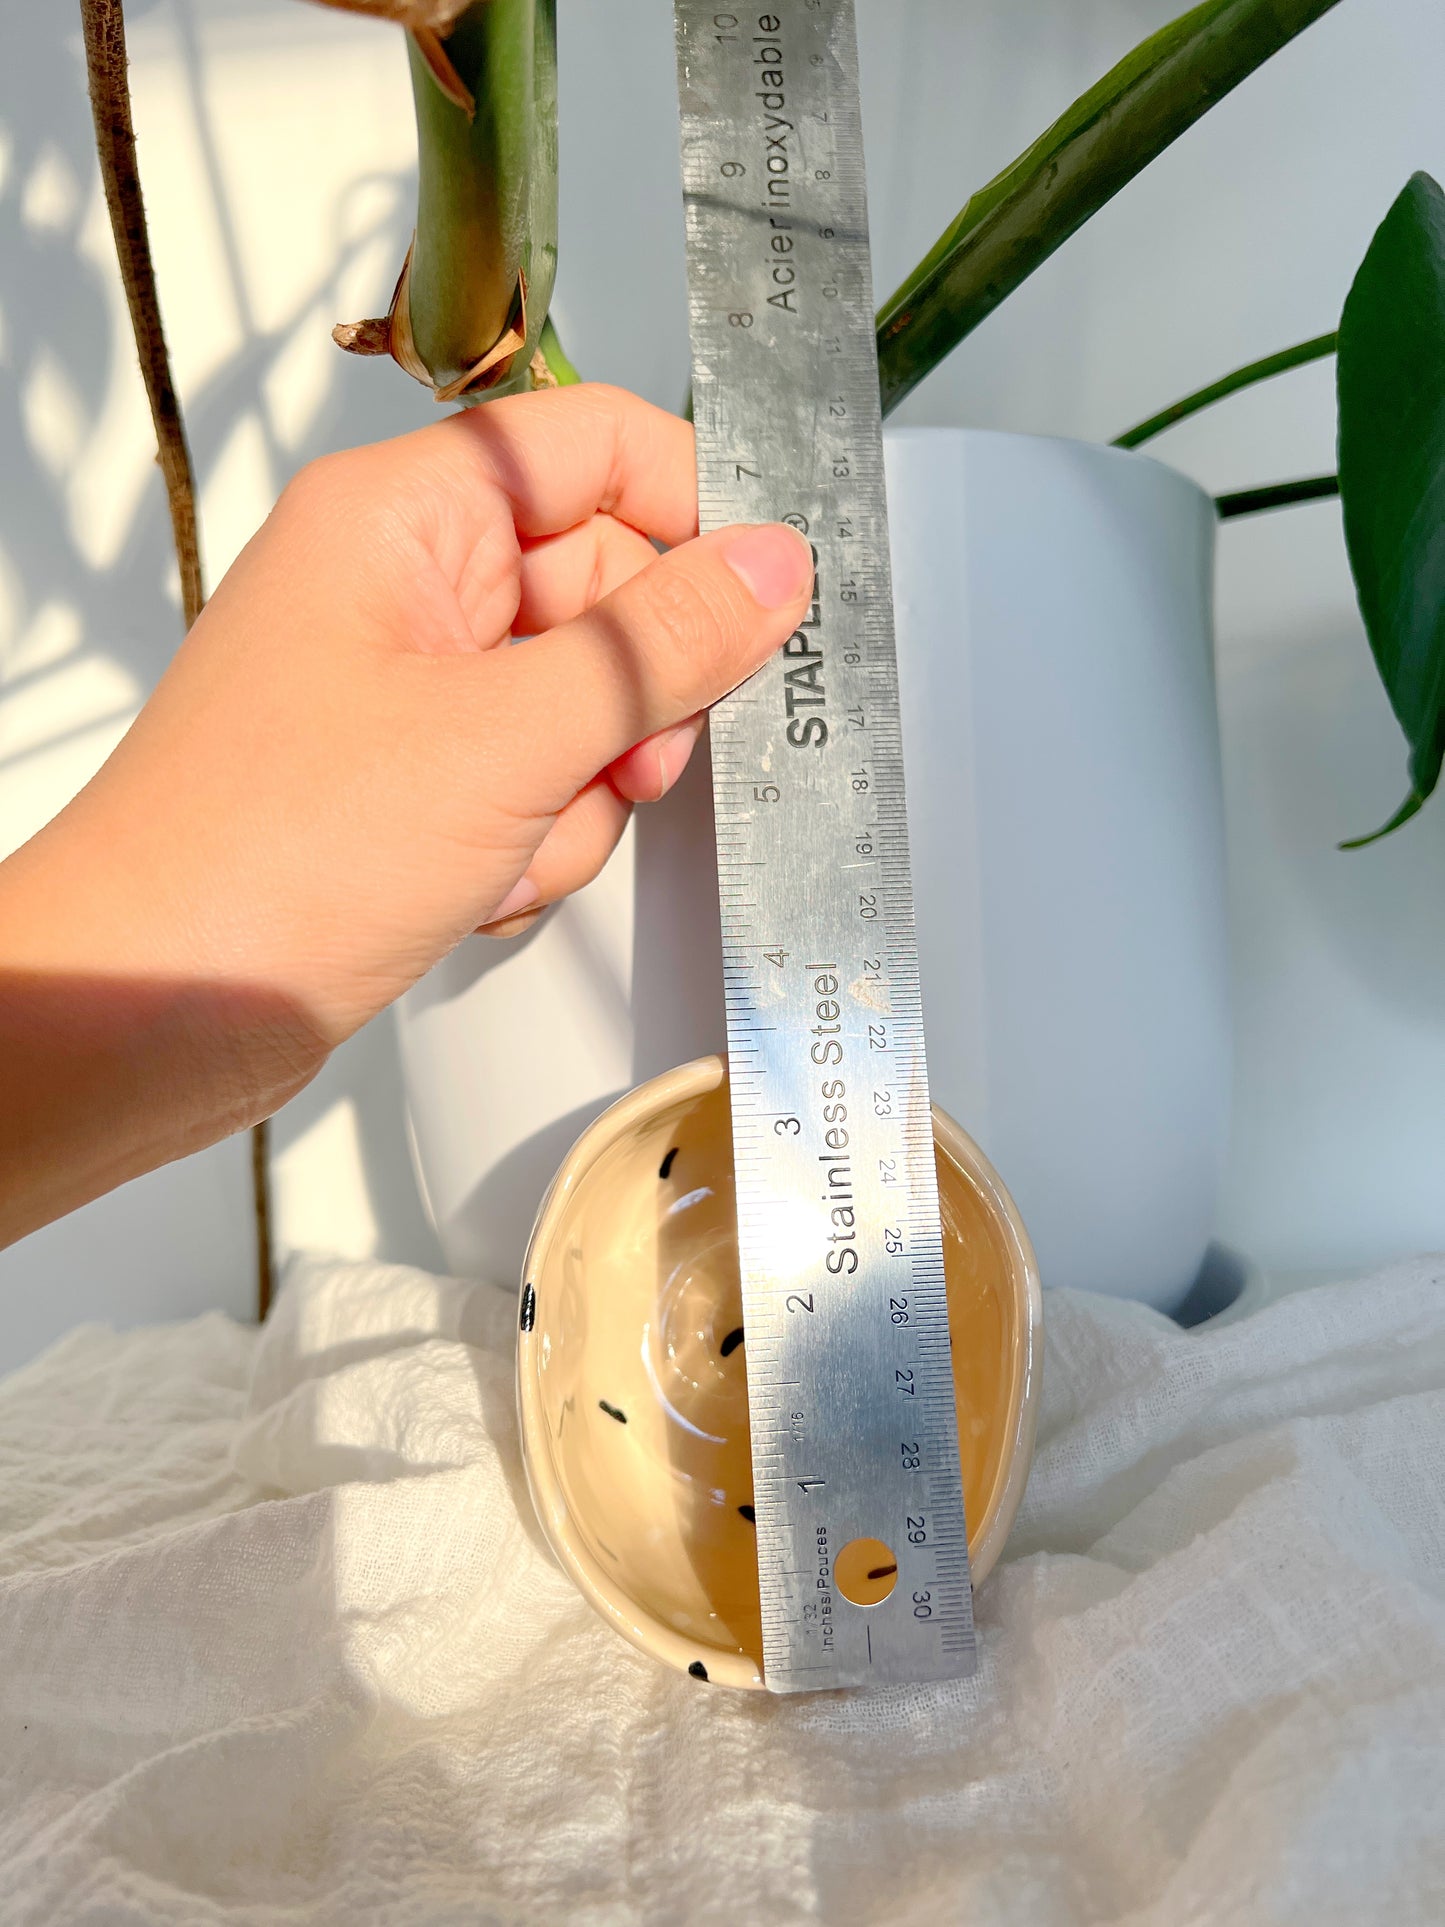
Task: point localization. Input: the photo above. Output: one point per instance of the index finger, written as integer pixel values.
(564, 454)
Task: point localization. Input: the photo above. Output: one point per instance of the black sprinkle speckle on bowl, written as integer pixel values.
(697, 1670)
(612, 1411)
(664, 1170)
(529, 1308)
(748, 1514)
(731, 1342)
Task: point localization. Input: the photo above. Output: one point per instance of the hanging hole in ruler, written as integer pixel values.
(865, 1572)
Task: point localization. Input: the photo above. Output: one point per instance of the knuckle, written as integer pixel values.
(610, 400)
(694, 627)
(318, 486)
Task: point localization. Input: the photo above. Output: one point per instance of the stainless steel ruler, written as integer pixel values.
(858, 1493)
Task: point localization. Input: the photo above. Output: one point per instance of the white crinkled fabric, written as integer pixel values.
(281, 1644)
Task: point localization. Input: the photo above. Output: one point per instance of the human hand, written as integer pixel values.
(347, 768)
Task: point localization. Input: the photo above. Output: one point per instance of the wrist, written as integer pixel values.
(120, 1048)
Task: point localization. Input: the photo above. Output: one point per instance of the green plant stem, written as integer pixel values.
(1015, 223)
(1279, 495)
(486, 189)
(1246, 377)
(563, 370)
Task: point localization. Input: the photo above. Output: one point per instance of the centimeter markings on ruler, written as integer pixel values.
(850, 1384)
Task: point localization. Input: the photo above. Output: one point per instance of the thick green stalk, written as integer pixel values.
(1100, 144)
(1245, 377)
(486, 191)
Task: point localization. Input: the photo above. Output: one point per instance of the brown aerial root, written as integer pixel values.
(107, 72)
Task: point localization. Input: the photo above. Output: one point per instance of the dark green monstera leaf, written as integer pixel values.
(1392, 469)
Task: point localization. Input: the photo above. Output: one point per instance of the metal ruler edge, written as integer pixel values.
(851, 1398)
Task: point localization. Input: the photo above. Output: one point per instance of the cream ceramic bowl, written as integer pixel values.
(632, 1370)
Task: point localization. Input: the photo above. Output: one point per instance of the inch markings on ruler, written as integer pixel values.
(862, 1552)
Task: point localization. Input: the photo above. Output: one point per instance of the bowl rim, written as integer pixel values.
(601, 1589)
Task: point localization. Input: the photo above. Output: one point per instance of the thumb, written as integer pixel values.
(663, 646)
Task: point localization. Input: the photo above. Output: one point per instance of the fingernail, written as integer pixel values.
(773, 561)
(522, 897)
(674, 748)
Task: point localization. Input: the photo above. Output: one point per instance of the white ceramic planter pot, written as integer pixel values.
(1054, 643)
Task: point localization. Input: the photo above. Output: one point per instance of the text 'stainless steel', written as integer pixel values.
(854, 1429)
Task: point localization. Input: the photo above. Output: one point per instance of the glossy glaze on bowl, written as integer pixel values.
(632, 1370)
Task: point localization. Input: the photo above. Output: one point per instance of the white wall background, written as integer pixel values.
(275, 143)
